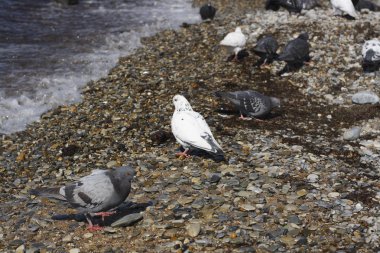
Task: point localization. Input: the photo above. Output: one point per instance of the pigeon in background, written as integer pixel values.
(234, 42)
(207, 11)
(295, 53)
(341, 7)
(365, 4)
(266, 49)
(94, 194)
(291, 5)
(191, 130)
(250, 103)
(371, 55)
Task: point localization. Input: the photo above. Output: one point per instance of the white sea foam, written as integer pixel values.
(63, 85)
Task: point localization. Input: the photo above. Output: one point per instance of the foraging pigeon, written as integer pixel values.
(96, 193)
(207, 11)
(290, 5)
(344, 6)
(250, 103)
(191, 130)
(266, 49)
(365, 4)
(234, 42)
(371, 55)
(295, 53)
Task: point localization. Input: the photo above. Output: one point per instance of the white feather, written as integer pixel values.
(189, 127)
(234, 39)
(373, 44)
(345, 6)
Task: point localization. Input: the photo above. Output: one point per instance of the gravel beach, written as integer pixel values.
(304, 179)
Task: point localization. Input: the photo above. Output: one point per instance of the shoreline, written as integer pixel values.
(290, 183)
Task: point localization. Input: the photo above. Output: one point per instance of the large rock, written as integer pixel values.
(365, 97)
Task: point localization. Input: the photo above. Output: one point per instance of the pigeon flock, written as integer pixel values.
(103, 190)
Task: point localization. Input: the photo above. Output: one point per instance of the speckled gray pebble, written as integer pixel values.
(352, 134)
(365, 97)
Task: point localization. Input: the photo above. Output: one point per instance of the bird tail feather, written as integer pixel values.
(48, 193)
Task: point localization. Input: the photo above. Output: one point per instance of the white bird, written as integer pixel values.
(344, 6)
(191, 130)
(234, 41)
(371, 55)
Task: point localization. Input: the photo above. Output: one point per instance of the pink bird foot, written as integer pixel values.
(104, 214)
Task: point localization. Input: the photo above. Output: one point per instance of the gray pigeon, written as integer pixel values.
(291, 5)
(250, 103)
(295, 53)
(266, 49)
(96, 193)
(365, 4)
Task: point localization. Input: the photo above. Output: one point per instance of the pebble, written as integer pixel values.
(365, 97)
(333, 194)
(193, 229)
(74, 250)
(352, 134)
(88, 235)
(312, 178)
(67, 238)
(20, 249)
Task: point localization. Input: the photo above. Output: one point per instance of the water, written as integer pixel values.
(48, 51)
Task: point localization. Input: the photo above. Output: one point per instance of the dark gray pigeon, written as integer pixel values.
(250, 103)
(207, 11)
(365, 4)
(94, 194)
(295, 53)
(291, 5)
(266, 49)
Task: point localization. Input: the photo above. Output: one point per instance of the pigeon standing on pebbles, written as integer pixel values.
(250, 103)
(341, 7)
(290, 5)
(365, 4)
(371, 55)
(191, 130)
(295, 53)
(95, 194)
(207, 11)
(266, 49)
(234, 42)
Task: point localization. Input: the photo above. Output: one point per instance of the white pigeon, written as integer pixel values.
(234, 41)
(371, 55)
(191, 130)
(344, 6)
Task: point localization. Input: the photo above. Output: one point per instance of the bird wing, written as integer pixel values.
(295, 50)
(191, 128)
(345, 6)
(234, 39)
(91, 192)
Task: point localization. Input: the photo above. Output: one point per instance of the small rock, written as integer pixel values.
(312, 178)
(87, 235)
(215, 178)
(20, 249)
(112, 164)
(301, 193)
(74, 250)
(365, 97)
(294, 219)
(333, 194)
(352, 134)
(193, 229)
(67, 238)
(127, 220)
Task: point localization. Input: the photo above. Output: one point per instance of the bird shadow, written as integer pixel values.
(124, 209)
(203, 154)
